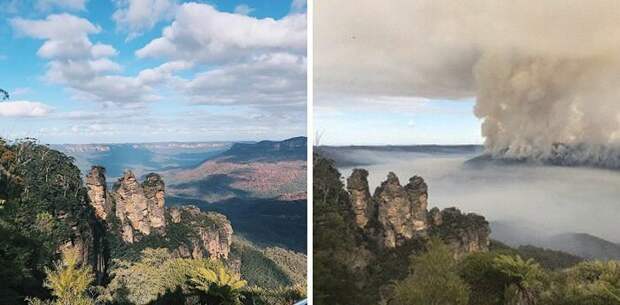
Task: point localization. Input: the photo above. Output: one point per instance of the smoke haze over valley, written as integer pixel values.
(531, 202)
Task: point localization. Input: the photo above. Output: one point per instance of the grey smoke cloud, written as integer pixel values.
(542, 72)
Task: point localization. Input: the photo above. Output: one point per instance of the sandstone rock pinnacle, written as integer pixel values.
(362, 203)
(97, 192)
(131, 206)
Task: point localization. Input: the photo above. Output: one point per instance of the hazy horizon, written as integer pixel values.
(547, 199)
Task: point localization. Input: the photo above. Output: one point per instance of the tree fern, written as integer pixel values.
(68, 282)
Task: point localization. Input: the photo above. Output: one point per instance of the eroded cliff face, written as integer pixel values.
(396, 214)
(139, 210)
(212, 232)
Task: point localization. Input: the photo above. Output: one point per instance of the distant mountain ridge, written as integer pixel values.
(343, 155)
(580, 244)
(141, 157)
(289, 149)
(267, 169)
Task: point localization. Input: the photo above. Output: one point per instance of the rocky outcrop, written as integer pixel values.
(140, 207)
(464, 233)
(361, 202)
(97, 192)
(154, 192)
(396, 214)
(211, 232)
(131, 207)
(140, 210)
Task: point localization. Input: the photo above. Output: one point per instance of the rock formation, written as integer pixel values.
(140, 211)
(464, 233)
(131, 207)
(396, 214)
(154, 192)
(97, 192)
(357, 185)
(212, 232)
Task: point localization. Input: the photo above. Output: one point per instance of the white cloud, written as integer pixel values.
(163, 72)
(271, 79)
(56, 27)
(45, 5)
(203, 34)
(102, 50)
(85, 68)
(24, 109)
(243, 9)
(138, 16)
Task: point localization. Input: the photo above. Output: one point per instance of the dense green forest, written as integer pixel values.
(53, 249)
(425, 272)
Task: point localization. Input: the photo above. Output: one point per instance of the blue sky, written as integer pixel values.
(85, 71)
(395, 121)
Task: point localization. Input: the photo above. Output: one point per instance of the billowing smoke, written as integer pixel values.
(547, 108)
(545, 75)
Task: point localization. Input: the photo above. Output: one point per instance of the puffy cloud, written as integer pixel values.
(243, 9)
(85, 68)
(271, 79)
(56, 27)
(138, 16)
(24, 109)
(163, 72)
(76, 5)
(204, 34)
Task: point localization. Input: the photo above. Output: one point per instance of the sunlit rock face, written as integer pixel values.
(396, 214)
(140, 211)
(131, 206)
(97, 192)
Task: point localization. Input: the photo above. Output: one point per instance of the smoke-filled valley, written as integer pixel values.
(525, 203)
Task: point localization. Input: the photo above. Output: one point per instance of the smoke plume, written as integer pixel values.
(545, 75)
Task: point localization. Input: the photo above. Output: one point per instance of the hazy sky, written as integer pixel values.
(520, 75)
(82, 71)
(396, 121)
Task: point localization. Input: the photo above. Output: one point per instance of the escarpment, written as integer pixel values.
(135, 210)
(396, 214)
